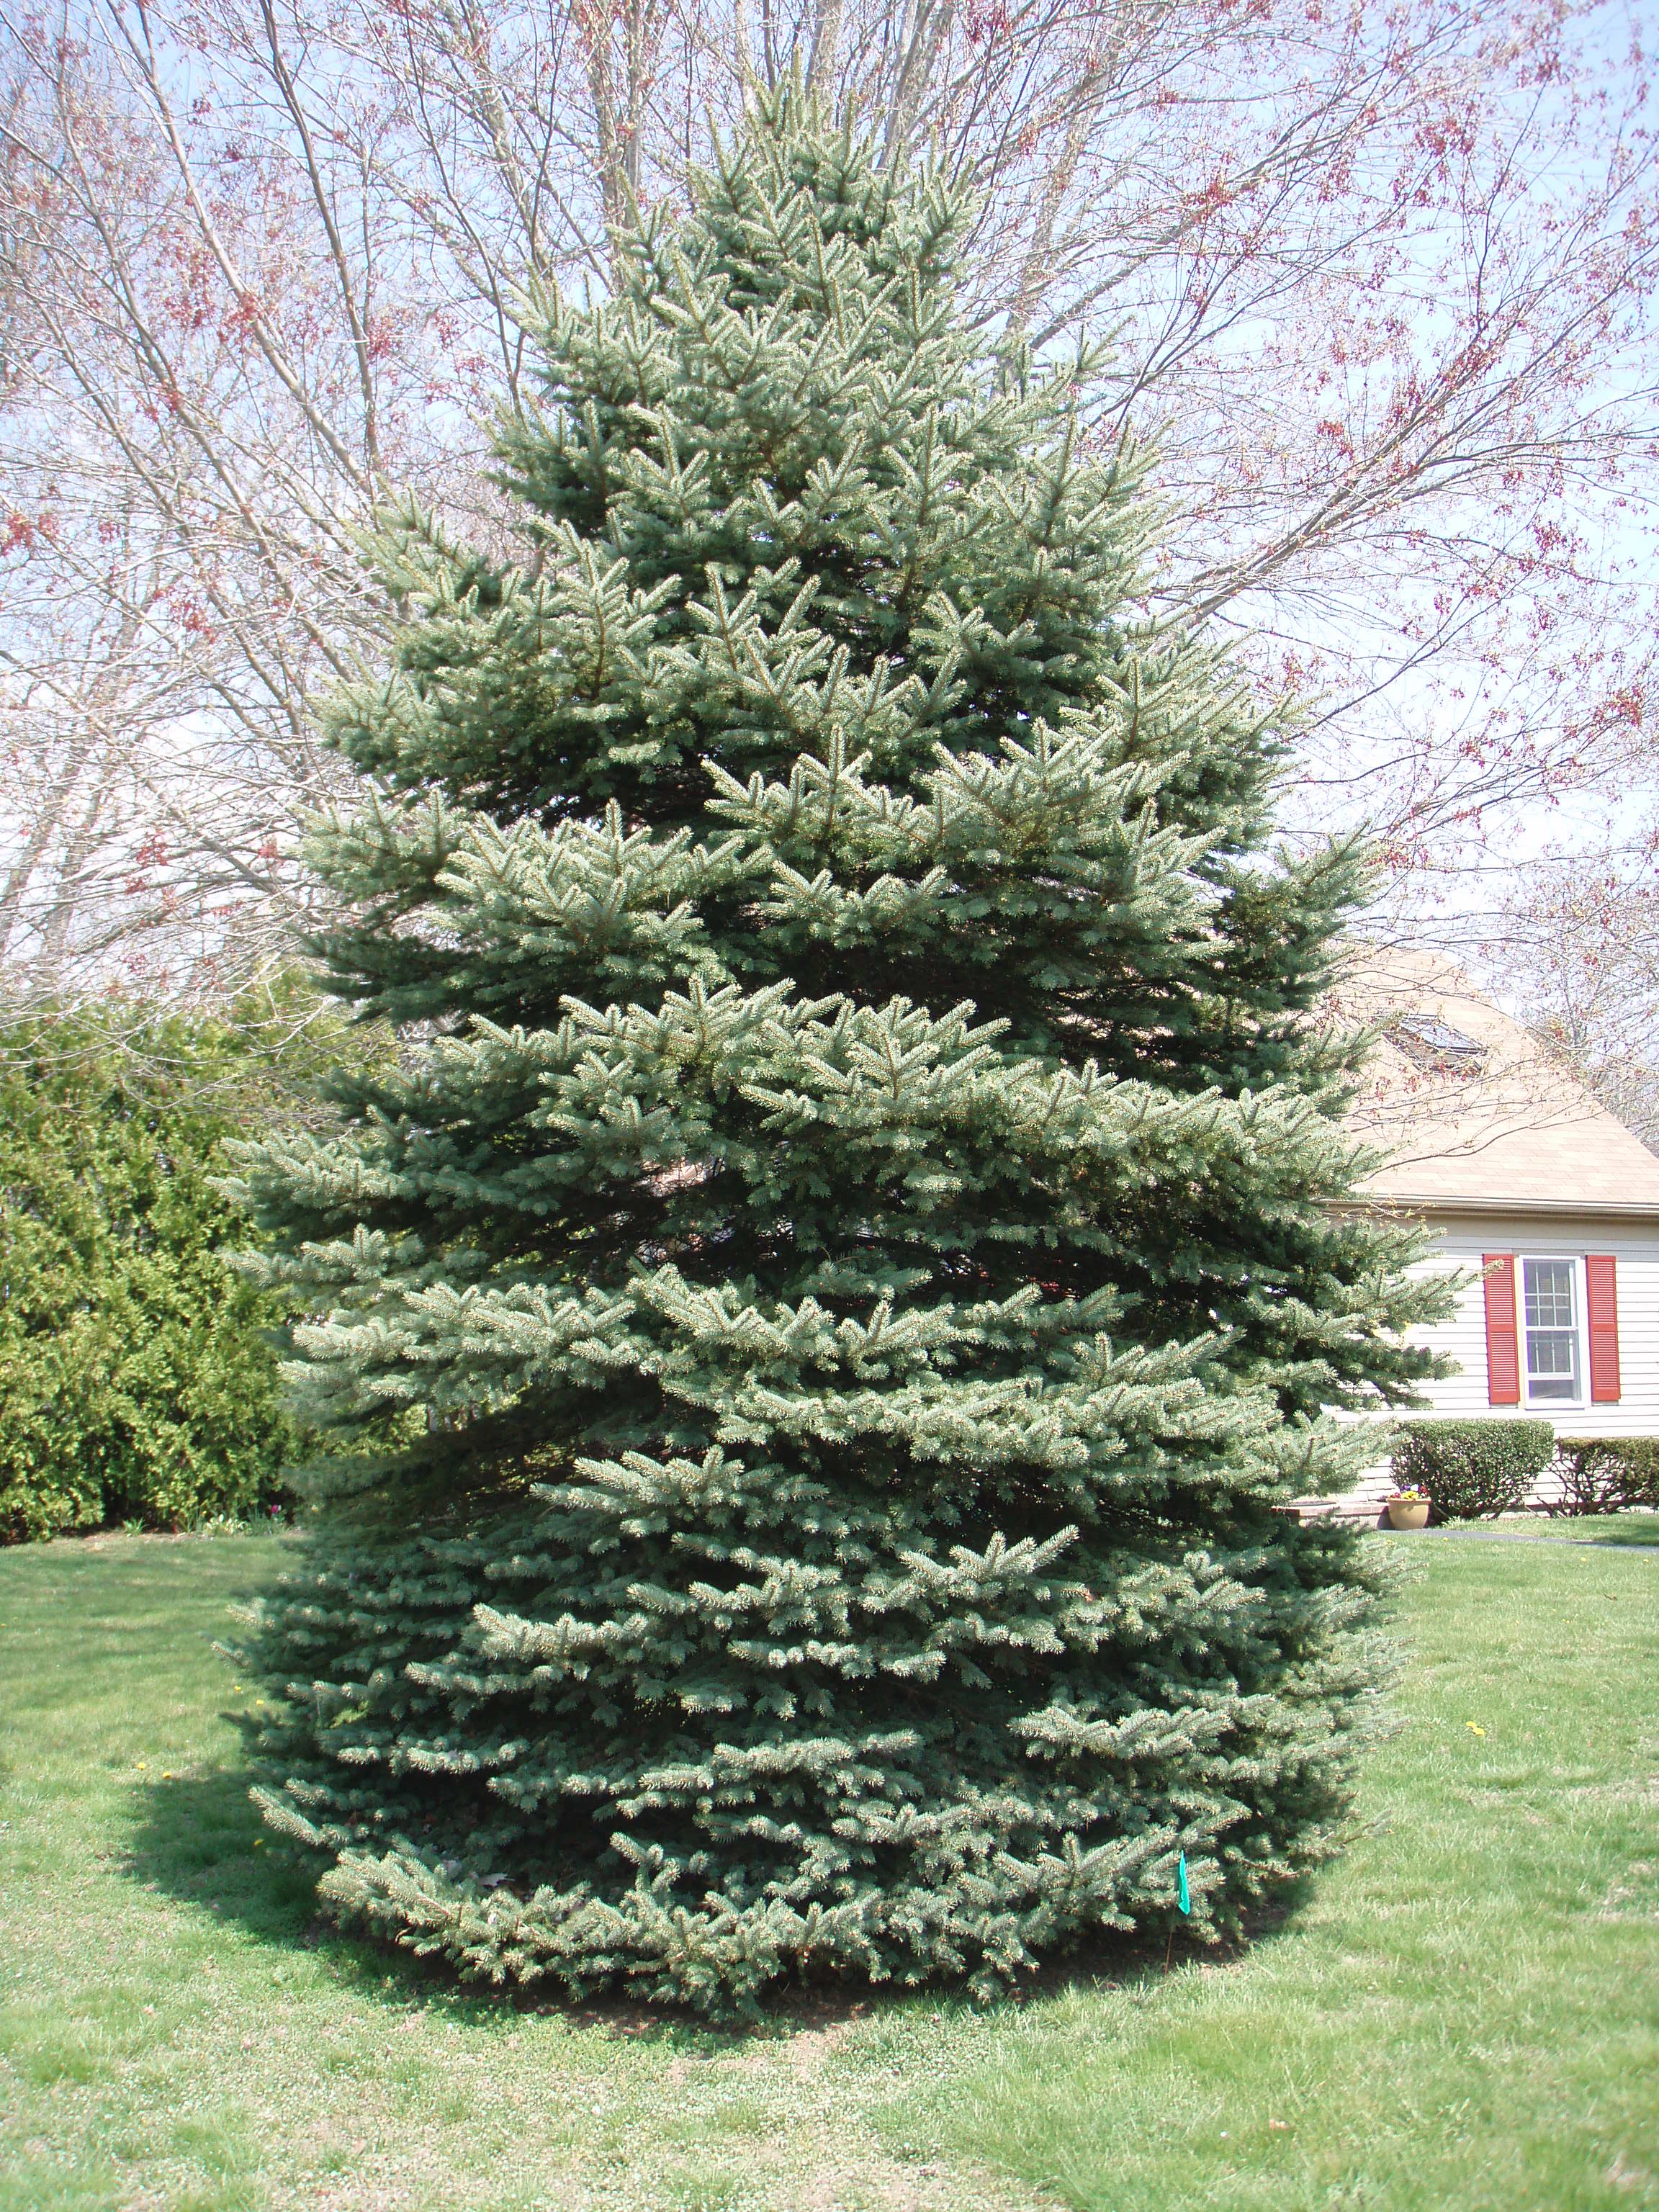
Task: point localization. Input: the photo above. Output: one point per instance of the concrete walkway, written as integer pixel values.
(1518, 1536)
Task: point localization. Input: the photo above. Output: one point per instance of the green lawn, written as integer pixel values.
(1464, 2014)
(1595, 1529)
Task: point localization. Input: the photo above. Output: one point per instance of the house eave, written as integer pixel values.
(1406, 1201)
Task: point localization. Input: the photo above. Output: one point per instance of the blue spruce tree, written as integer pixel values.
(857, 1250)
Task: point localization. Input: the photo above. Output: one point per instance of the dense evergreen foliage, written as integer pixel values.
(860, 1216)
(136, 1382)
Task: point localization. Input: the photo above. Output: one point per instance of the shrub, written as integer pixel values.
(1472, 1469)
(134, 1380)
(1605, 1474)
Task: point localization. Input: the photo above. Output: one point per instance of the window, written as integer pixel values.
(1552, 1318)
(1550, 1291)
(1431, 1043)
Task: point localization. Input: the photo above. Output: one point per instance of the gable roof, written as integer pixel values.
(1474, 1113)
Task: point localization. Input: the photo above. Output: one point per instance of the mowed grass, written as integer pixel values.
(1462, 2014)
(1639, 1527)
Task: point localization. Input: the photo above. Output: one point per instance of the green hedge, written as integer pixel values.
(1472, 1469)
(136, 1383)
(1607, 1474)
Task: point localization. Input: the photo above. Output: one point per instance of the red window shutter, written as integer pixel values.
(1602, 1299)
(1503, 1346)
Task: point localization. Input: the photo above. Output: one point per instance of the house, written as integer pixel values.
(1546, 1201)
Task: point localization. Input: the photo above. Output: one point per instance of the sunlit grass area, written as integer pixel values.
(1634, 1528)
(1463, 2014)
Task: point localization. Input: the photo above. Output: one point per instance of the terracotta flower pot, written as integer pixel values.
(1409, 1513)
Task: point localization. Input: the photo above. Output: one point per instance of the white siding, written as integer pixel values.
(1635, 1246)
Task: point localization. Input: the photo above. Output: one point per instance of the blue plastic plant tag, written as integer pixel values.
(1184, 1895)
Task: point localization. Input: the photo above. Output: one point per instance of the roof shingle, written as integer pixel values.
(1473, 1112)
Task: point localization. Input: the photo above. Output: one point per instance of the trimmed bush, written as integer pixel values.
(1605, 1474)
(1472, 1469)
(136, 1382)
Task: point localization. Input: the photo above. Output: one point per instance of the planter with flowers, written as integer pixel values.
(1409, 1508)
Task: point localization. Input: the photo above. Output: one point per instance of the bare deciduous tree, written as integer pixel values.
(1578, 948)
(1380, 283)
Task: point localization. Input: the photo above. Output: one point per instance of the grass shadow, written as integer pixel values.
(198, 1839)
(1621, 1535)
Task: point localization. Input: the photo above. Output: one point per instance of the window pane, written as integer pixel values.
(1549, 1293)
(1552, 1334)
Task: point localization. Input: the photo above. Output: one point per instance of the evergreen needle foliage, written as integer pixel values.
(860, 1226)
